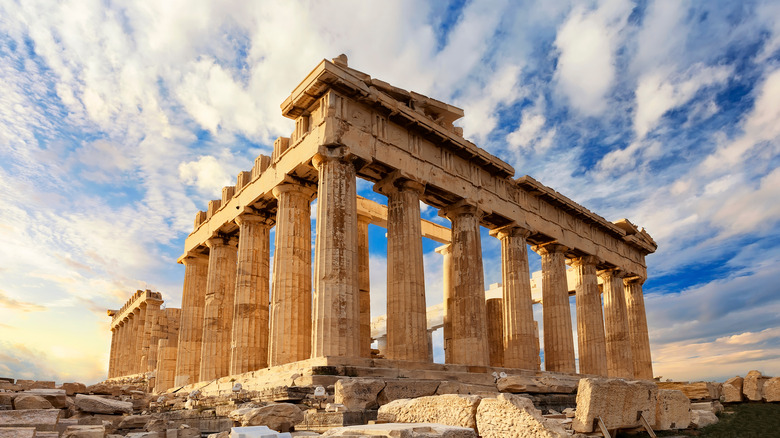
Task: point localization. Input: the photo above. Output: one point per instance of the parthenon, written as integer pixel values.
(240, 314)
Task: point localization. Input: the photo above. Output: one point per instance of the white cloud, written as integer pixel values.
(531, 133)
(661, 90)
(207, 173)
(587, 42)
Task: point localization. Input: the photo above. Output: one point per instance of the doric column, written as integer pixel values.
(196, 267)
(406, 313)
(447, 297)
(518, 314)
(151, 334)
(249, 346)
(112, 352)
(619, 357)
(138, 335)
(123, 348)
(218, 310)
(590, 322)
(166, 352)
(469, 328)
(336, 301)
(558, 337)
(364, 280)
(637, 325)
(129, 337)
(291, 297)
(494, 311)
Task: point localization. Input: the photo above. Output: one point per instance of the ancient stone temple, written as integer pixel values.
(138, 330)
(240, 314)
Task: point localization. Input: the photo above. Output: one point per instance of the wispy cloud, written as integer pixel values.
(22, 306)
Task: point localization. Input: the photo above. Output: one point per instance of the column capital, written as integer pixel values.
(255, 217)
(397, 181)
(511, 230)
(195, 257)
(585, 260)
(364, 218)
(549, 248)
(612, 272)
(462, 207)
(304, 190)
(444, 249)
(222, 240)
(635, 279)
(331, 153)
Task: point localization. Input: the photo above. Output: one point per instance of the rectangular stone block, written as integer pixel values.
(17, 432)
(672, 410)
(40, 419)
(695, 390)
(261, 163)
(616, 401)
(544, 384)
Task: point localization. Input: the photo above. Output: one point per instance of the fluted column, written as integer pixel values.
(590, 321)
(196, 267)
(469, 329)
(447, 297)
(139, 314)
(129, 345)
(151, 335)
(112, 353)
(165, 368)
(249, 346)
(218, 310)
(364, 279)
(123, 348)
(637, 325)
(619, 357)
(336, 301)
(518, 314)
(494, 312)
(558, 337)
(291, 297)
(406, 312)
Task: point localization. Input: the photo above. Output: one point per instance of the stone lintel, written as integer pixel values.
(139, 298)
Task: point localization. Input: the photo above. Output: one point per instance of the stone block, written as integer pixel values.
(36, 384)
(41, 419)
(321, 421)
(771, 390)
(134, 422)
(452, 387)
(450, 409)
(187, 431)
(713, 406)
(358, 394)
(701, 419)
(146, 435)
(732, 390)
(17, 432)
(72, 388)
(257, 432)
(281, 417)
(616, 401)
(101, 405)
(672, 410)
(399, 430)
(103, 389)
(695, 390)
(57, 397)
(30, 401)
(753, 385)
(84, 432)
(396, 389)
(513, 416)
(7, 400)
(543, 384)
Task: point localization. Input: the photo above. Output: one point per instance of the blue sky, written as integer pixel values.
(120, 119)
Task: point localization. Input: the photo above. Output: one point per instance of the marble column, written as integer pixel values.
(249, 346)
(218, 309)
(558, 336)
(518, 314)
(637, 325)
(336, 298)
(407, 323)
(139, 314)
(447, 297)
(165, 370)
(151, 334)
(196, 267)
(364, 280)
(619, 356)
(590, 320)
(469, 328)
(112, 353)
(291, 296)
(124, 348)
(494, 311)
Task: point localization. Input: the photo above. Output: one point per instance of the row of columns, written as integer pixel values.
(229, 326)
